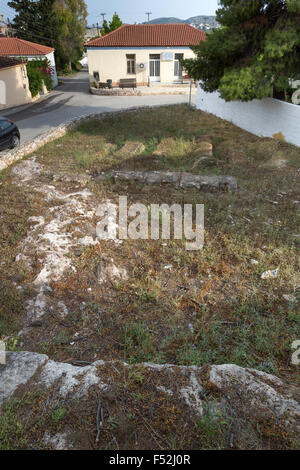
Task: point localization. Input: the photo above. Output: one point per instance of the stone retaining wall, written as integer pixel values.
(115, 91)
(144, 91)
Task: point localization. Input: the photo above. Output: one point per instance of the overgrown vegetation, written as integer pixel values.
(56, 24)
(209, 306)
(11, 430)
(255, 51)
(186, 308)
(39, 72)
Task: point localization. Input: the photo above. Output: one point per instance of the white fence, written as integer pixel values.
(264, 118)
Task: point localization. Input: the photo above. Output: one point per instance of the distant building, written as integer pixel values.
(3, 26)
(146, 52)
(91, 32)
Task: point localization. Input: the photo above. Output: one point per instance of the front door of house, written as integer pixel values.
(154, 68)
(178, 68)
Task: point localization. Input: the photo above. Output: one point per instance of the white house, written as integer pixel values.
(14, 85)
(146, 52)
(26, 50)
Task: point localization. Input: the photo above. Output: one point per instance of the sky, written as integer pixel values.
(131, 11)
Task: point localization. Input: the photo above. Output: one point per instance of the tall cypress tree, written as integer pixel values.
(105, 28)
(256, 49)
(115, 23)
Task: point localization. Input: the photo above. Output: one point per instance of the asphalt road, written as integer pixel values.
(72, 99)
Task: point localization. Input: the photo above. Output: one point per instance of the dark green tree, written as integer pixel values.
(56, 23)
(115, 23)
(35, 21)
(256, 49)
(105, 28)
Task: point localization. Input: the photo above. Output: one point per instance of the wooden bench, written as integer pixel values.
(127, 83)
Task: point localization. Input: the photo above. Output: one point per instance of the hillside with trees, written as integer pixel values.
(203, 22)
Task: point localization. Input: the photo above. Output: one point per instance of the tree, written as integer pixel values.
(71, 16)
(56, 23)
(113, 24)
(39, 71)
(35, 21)
(256, 49)
(105, 28)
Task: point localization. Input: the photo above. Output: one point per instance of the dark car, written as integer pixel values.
(9, 134)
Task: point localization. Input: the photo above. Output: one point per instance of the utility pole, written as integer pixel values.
(148, 13)
(103, 16)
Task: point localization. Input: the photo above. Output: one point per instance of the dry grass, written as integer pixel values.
(235, 315)
(209, 306)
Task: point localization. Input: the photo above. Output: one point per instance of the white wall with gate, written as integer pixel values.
(266, 118)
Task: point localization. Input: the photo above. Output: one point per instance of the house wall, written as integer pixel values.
(14, 87)
(267, 118)
(51, 59)
(111, 63)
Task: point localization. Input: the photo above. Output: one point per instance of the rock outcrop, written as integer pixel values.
(246, 398)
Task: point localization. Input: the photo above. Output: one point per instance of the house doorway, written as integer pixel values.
(154, 72)
(178, 68)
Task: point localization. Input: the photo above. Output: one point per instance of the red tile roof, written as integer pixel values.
(151, 35)
(19, 47)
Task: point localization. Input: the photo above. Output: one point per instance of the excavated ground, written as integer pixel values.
(73, 300)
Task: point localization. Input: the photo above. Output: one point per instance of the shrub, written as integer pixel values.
(39, 71)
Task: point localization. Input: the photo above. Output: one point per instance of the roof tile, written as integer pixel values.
(20, 47)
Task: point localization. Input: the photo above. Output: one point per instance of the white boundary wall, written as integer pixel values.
(264, 118)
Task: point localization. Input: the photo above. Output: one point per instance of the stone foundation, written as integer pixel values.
(144, 90)
(178, 179)
(115, 91)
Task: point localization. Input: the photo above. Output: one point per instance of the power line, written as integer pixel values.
(33, 31)
(33, 26)
(36, 36)
(37, 29)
